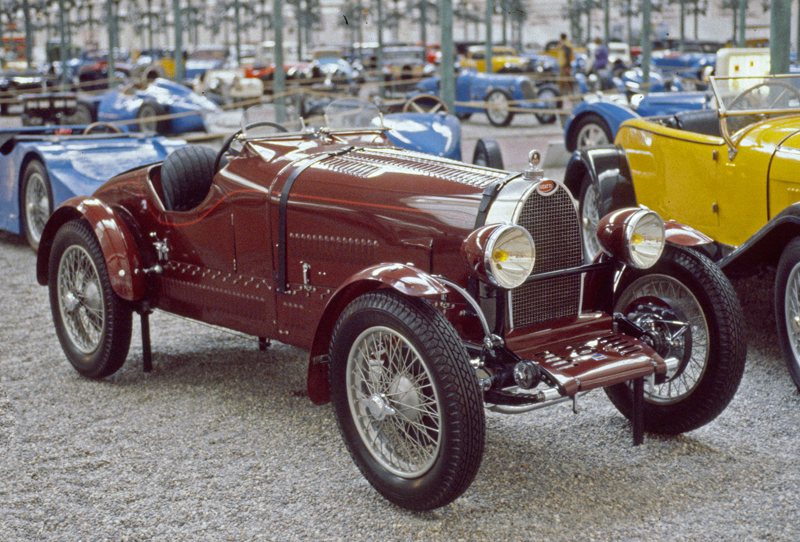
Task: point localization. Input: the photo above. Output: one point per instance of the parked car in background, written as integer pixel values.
(505, 59)
(204, 58)
(13, 83)
(136, 105)
(500, 96)
(596, 119)
(731, 172)
(46, 166)
(404, 66)
(423, 289)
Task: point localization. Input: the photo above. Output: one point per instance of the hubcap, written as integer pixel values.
(80, 299)
(393, 402)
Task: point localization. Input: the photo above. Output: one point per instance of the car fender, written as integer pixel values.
(406, 279)
(121, 253)
(608, 169)
(614, 114)
(765, 247)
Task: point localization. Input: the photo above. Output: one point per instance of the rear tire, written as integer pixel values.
(81, 117)
(548, 94)
(685, 286)
(92, 323)
(406, 400)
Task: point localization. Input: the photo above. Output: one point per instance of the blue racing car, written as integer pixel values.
(595, 121)
(498, 95)
(135, 105)
(45, 166)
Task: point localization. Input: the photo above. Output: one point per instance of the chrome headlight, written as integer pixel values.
(636, 236)
(645, 238)
(500, 254)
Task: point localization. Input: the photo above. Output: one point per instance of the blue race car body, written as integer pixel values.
(166, 97)
(596, 122)
(432, 133)
(495, 94)
(40, 168)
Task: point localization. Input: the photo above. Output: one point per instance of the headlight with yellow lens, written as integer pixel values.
(645, 238)
(634, 235)
(500, 254)
(509, 256)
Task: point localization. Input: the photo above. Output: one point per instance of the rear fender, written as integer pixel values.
(118, 244)
(405, 279)
(607, 168)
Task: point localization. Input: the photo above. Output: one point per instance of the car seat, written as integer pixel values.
(186, 176)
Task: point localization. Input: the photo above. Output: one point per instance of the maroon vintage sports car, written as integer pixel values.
(424, 290)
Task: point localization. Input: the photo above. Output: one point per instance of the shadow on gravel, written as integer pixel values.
(12, 239)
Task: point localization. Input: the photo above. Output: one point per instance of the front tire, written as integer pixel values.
(684, 286)
(406, 400)
(590, 131)
(590, 217)
(787, 307)
(92, 323)
(37, 201)
(497, 108)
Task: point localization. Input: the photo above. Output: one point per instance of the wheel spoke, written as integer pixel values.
(394, 402)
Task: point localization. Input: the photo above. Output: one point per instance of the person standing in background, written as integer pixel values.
(565, 64)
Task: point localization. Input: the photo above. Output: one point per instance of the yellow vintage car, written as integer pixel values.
(731, 172)
(504, 60)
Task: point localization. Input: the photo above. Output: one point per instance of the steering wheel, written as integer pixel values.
(425, 103)
(745, 120)
(227, 144)
(780, 84)
(89, 129)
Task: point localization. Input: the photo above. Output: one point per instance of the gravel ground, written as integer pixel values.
(220, 442)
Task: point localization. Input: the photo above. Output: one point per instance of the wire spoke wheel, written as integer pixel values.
(590, 218)
(394, 402)
(92, 323)
(690, 332)
(37, 206)
(80, 299)
(406, 399)
(690, 316)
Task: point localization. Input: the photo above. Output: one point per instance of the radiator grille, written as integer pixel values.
(553, 223)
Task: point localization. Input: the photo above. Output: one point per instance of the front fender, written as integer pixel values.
(118, 244)
(406, 279)
(607, 168)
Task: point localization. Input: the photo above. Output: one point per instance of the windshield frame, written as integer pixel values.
(733, 137)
